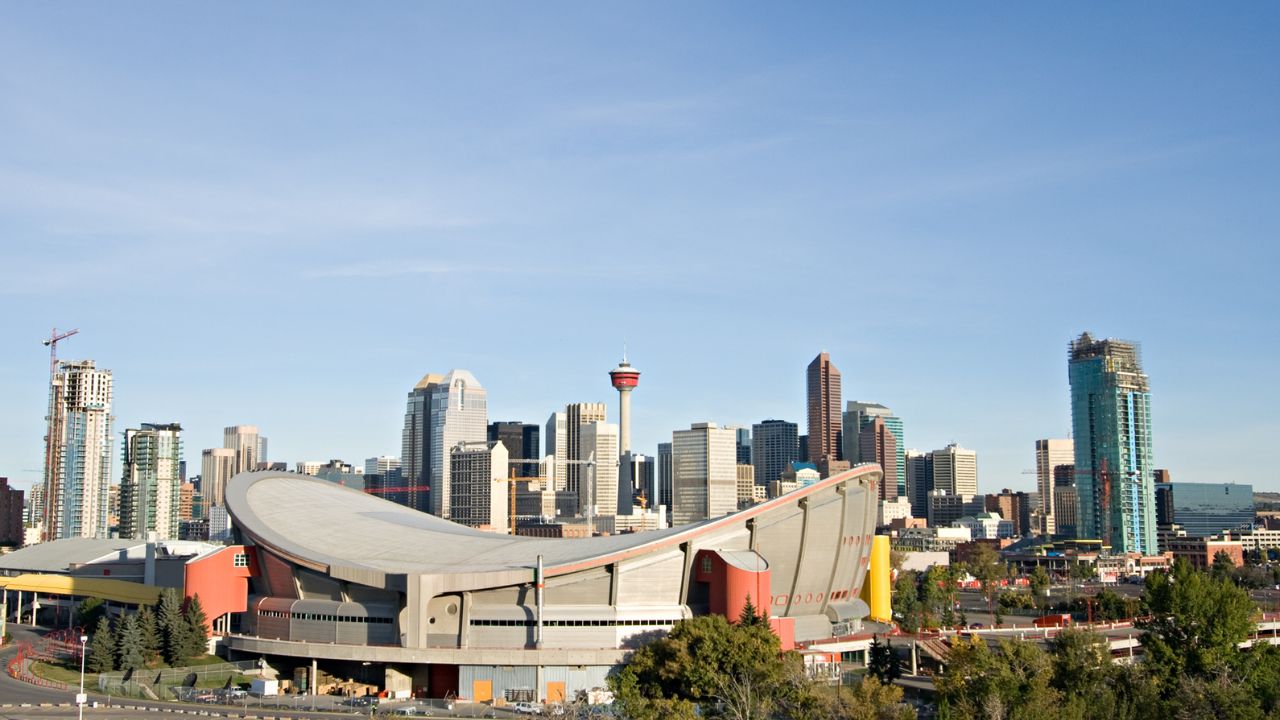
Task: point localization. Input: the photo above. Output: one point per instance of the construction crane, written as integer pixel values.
(52, 478)
(591, 488)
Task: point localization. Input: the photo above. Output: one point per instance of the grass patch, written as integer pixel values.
(62, 673)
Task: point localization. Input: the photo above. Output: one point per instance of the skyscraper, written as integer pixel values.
(598, 483)
(522, 440)
(663, 494)
(624, 379)
(858, 415)
(242, 440)
(576, 416)
(11, 534)
(381, 465)
(480, 488)
(877, 444)
(823, 383)
(635, 480)
(459, 412)
(149, 486)
(919, 481)
(557, 440)
(217, 465)
(1050, 454)
(744, 445)
(415, 448)
(75, 492)
(775, 444)
(704, 473)
(955, 470)
(1111, 427)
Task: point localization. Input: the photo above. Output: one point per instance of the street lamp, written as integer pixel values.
(81, 697)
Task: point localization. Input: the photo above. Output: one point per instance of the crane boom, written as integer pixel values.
(52, 471)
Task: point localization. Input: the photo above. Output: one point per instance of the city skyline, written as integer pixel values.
(297, 226)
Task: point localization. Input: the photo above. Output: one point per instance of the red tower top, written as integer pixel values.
(624, 377)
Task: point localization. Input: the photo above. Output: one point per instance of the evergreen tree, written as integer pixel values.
(89, 612)
(882, 663)
(151, 644)
(196, 633)
(129, 644)
(749, 614)
(102, 648)
(172, 625)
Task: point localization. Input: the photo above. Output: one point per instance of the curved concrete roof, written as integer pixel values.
(322, 525)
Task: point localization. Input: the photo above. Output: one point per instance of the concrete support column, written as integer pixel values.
(312, 681)
(395, 681)
(19, 618)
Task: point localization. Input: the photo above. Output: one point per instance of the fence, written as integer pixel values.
(160, 684)
(56, 647)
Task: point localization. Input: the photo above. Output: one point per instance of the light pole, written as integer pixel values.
(81, 697)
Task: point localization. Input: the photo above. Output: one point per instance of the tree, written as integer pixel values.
(196, 633)
(102, 648)
(984, 564)
(1040, 586)
(129, 653)
(907, 607)
(1196, 622)
(152, 645)
(89, 612)
(1223, 566)
(1011, 682)
(173, 626)
(881, 661)
(709, 667)
(750, 615)
(874, 700)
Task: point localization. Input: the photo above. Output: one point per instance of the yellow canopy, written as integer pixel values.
(121, 591)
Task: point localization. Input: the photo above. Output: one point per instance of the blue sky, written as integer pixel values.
(285, 213)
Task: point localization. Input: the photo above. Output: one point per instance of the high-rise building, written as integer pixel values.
(704, 473)
(76, 481)
(243, 441)
(955, 470)
(1207, 509)
(262, 462)
(558, 449)
(576, 416)
(523, 440)
(744, 445)
(598, 483)
(663, 495)
(381, 465)
(11, 534)
(635, 482)
(1051, 454)
(1066, 503)
(823, 385)
(877, 444)
(919, 481)
(217, 465)
(624, 379)
(459, 412)
(857, 415)
(149, 486)
(415, 448)
(1111, 427)
(188, 503)
(774, 446)
(479, 486)
(746, 485)
(1014, 507)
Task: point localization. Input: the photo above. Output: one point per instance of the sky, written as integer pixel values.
(284, 214)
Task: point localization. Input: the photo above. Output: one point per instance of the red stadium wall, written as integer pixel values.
(222, 586)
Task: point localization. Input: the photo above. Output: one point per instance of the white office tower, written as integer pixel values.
(309, 467)
(478, 476)
(150, 482)
(955, 470)
(1050, 454)
(557, 445)
(381, 465)
(459, 412)
(219, 524)
(577, 416)
(704, 469)
(636, 489)
(217, 465)
(242, 440)
(598, 485)
(78, 461)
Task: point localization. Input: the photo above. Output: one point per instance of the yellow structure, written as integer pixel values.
(121, 591)
(877, 589)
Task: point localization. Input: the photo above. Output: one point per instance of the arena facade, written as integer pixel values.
(344, 582)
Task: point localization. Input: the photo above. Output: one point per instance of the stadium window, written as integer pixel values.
(240, 560)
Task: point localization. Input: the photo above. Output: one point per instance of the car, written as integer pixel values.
(361, 701)
(527, 708)
(410, 711)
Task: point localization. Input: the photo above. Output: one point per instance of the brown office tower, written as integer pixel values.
(877, 444)
(10, 515)
(824, 410)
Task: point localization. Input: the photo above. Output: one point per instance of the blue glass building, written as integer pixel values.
(1111, 425)
(1205, 509)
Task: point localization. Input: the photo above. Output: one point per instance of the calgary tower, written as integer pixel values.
(625, 379)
